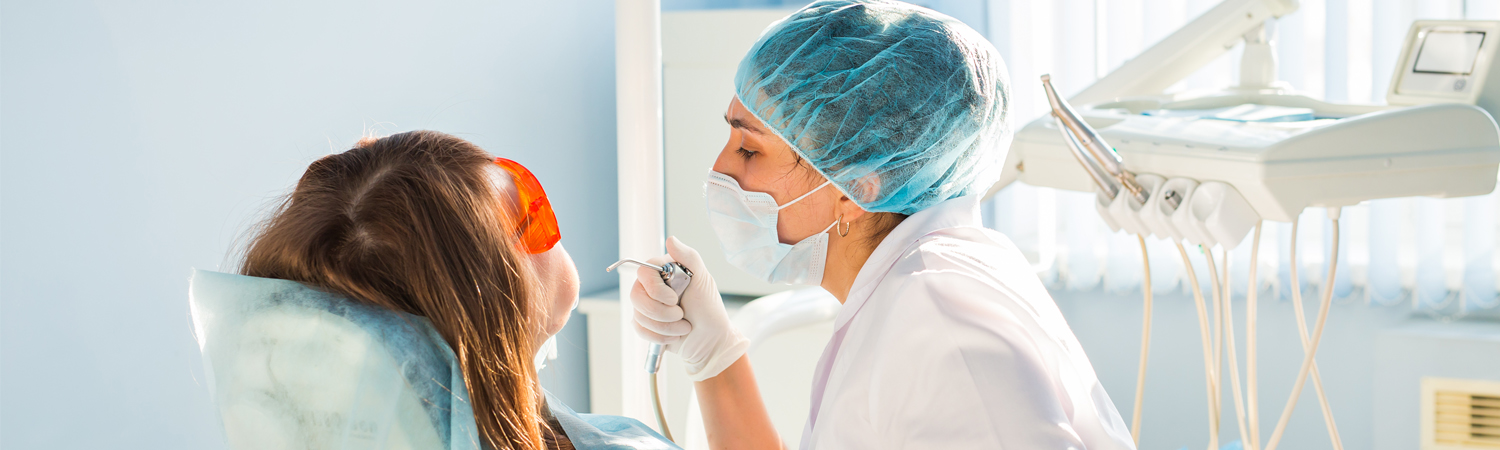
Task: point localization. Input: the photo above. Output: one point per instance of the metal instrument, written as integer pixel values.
(676, 277)
(1097, 157)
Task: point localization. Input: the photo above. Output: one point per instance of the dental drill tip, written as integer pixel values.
(617, 264)
(1046, 78)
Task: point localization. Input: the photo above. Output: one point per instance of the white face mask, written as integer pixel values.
(548, 351)
(746, 225)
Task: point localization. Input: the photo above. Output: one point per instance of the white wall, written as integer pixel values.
(137, 140)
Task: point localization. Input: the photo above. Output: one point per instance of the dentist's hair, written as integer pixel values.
(413, 222)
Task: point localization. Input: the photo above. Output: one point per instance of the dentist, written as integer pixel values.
(863, 134)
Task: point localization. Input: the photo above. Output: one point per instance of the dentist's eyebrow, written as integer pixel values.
(737, 123)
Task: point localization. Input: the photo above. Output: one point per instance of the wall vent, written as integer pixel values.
(1460, 414)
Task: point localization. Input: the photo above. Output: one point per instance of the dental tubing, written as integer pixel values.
(1217, 331)
(1310, 346)
(661, 417)
(1218, 338)
(1226, 306)
(1140, 378)
(1208, 367)
(1252, 401)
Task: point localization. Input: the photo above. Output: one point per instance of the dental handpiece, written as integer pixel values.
(677, 277)
(1097, 156)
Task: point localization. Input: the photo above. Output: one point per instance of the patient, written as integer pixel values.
(427, 224)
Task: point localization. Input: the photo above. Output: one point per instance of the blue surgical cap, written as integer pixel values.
(899, 106)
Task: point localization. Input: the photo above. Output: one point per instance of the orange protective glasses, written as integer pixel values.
(536, 224)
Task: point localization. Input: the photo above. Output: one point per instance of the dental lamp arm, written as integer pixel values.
(1179, 55)
(1185, 50)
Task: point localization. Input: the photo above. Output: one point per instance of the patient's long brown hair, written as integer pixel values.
(414, 223)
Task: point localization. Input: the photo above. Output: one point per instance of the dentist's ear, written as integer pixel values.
(866, 187)
(847, 212)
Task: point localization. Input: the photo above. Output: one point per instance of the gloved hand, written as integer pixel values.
(696, 325)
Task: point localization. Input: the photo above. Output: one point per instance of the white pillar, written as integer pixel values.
(638, 121)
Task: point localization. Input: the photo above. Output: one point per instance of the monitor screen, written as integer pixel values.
(1449, 52)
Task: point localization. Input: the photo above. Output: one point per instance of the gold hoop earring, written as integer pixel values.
(844, 231)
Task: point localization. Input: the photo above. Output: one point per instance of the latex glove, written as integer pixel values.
(695, 326)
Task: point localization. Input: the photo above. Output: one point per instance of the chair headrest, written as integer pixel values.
(290, 366)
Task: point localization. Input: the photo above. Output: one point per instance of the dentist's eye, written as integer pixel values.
(745, 153)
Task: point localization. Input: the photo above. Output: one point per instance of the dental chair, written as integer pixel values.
(290, 367)
(293, 367)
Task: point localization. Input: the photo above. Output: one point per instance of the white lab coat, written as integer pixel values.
(949, 341)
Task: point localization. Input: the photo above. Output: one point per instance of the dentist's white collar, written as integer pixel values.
(951, 213)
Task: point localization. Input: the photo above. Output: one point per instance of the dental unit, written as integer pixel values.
(1205, 169)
